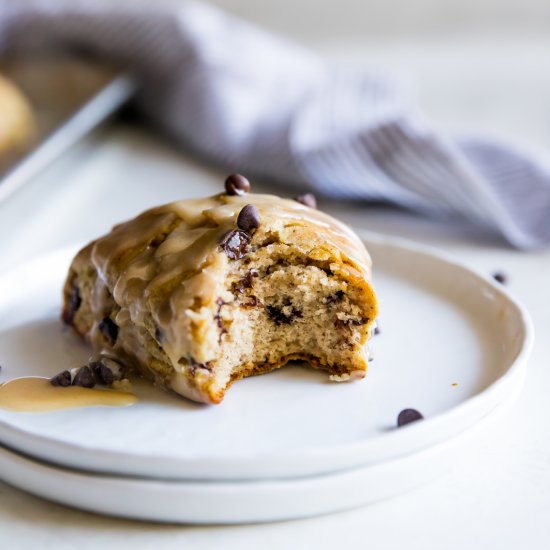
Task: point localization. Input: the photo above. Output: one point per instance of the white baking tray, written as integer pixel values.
(69, 98)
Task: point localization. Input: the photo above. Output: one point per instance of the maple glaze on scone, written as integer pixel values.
(186, 295)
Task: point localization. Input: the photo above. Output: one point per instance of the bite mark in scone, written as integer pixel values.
(199, 293)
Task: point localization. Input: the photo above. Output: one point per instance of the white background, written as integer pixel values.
(481, 65)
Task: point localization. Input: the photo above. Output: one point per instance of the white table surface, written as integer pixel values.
(498, 497)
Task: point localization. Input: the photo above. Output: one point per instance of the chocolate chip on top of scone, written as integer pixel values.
(199, 293)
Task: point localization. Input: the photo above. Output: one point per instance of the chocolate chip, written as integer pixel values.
(377, 330)
(63, 379)
(246, 281)
(406, 416)
(220, 324)
(279, 317)
(84, 377)
(102, 373)
(235, 184)
(253, 301)
(308, 199)
(235, 244)
(218, 318)
(351, 322)
(194, 366)
(109, 329)
(500, 277)
(336, 297)
(74, 301)
(248, 218)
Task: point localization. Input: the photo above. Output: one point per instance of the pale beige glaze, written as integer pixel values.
(176, 282)
(35, 394)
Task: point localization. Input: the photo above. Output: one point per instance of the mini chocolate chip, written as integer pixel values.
(500, 277)
(157, 240)
(336, 297)
(102, 373)
(307, 199)
(246, 281)
(377, 330)
(84, 377)
(95, 366)
(221, 326)
(235, 184)
(235, 244)
(63, 379)
(194, 366)
(74, 300)
(254, 301)
(109, 329)
(278, 316)
(406, 416)
(248, 218)
(218, 318)
(351, 322)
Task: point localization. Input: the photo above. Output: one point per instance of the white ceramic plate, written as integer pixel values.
(213, 502)
(441, 324)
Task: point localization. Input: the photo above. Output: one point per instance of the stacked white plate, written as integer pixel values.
(452, 344)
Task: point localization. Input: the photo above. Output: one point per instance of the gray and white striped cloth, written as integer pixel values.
(261, 105)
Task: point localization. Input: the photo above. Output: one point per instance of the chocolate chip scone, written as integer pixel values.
(199, 293)
(16, 121)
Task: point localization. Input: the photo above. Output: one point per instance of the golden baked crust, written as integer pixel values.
(185, 296)
(16, 121)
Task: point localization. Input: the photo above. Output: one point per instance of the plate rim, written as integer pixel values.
(212, 502)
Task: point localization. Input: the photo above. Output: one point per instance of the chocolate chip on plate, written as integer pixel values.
(406, 416)
(307, 199)
(102, 373)
(248, 218)
(500, 277)
(63, 379)
(235, 184)
(84, 377)
(109, 329)
(235, 244)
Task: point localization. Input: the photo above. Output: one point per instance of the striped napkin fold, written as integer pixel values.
(259, 104)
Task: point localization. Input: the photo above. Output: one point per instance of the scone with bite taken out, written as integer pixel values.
(199, 293)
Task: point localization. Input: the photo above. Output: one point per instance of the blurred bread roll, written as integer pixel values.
(16, 120)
